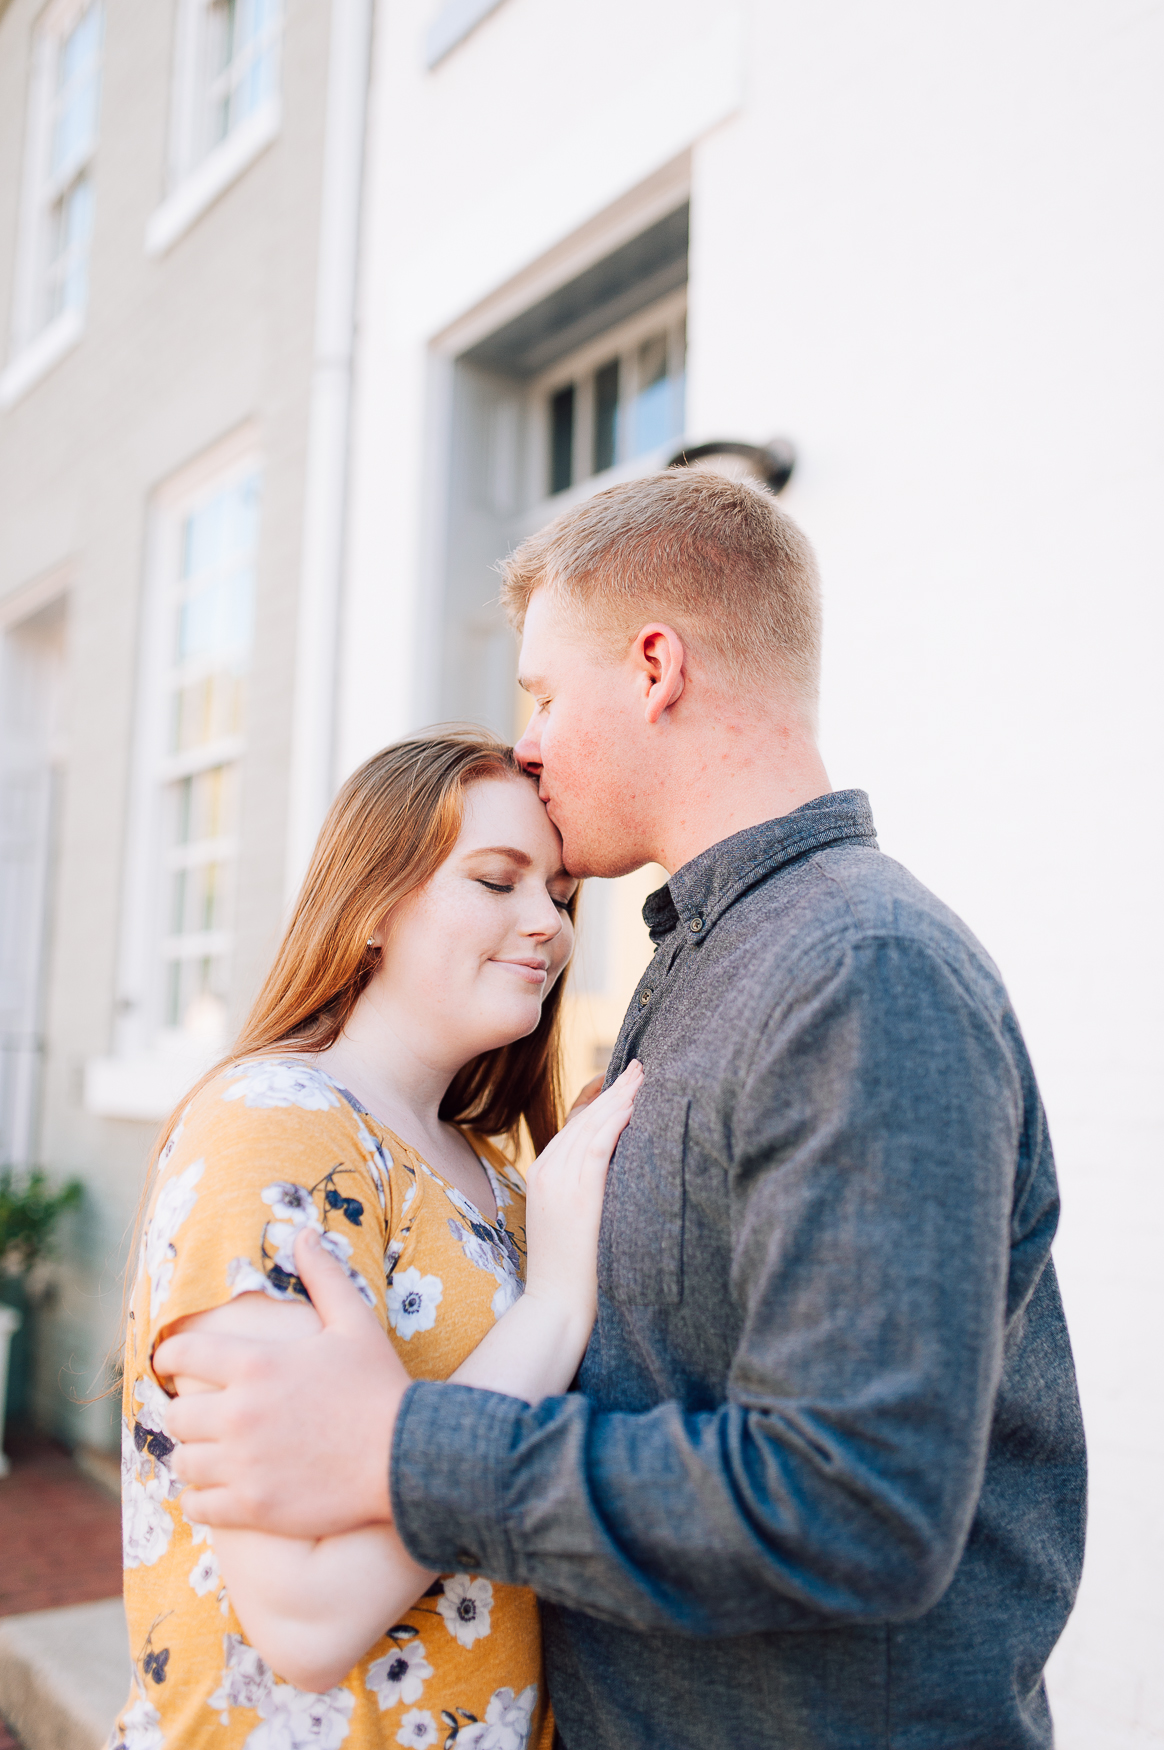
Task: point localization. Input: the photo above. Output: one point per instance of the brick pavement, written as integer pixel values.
(60, 1532)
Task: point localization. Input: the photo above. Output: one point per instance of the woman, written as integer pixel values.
(411, 1013)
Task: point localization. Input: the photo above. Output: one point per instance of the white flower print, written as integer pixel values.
(175, 1201)
(268, 1083)
(204, 1574)
(465, 1606)
(246, 1679)
(417, 1727)
(145, 1531)
(243, 1278)
(506, 1723)
(296, 1719)
(400, 1675)
(154, 1404)
(293, 1209)
(146, 1527)
(412, 1302)
(476, 1251)
(293, 1203)
(501, 1186)
(507, 1293)
(140, 1728)
(491, 1255)
(379, 1160)
(172, 1143)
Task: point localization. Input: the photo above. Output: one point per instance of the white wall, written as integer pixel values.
(949, 299)
(925, 247)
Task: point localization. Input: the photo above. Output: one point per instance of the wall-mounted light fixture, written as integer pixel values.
(771, 464)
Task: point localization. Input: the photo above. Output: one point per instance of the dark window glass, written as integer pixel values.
(562, 439)
(605, 416)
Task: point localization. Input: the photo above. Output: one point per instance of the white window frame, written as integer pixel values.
(197, 173)
(151, 1065)
(668, 314)
(39, 341)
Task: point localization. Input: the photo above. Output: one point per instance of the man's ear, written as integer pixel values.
(659, 655)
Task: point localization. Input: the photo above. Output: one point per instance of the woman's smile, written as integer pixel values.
(534, 971)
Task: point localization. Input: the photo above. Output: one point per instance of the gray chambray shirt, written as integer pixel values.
(823, 1486)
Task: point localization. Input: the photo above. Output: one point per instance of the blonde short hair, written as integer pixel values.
(715, 557)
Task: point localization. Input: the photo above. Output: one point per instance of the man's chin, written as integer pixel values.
(597, 862)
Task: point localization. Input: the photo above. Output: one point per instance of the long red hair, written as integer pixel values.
(388, 831)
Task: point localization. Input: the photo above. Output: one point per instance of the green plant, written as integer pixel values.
(29, 1211)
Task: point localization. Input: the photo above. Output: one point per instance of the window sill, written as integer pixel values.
(148, 1085)
(201, 188)
(38, 357)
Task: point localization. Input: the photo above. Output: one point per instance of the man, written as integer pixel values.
(823, 1483)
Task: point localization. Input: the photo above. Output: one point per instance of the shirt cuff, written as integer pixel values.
(448, 1474)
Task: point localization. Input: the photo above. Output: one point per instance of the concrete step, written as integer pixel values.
(64, 1674)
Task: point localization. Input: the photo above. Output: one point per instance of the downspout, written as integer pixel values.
(312, 773)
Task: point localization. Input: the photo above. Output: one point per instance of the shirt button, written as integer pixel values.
(695, 925)
(645, 998)
(468, 1558)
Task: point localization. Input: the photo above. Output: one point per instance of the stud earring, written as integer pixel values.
(372, 944)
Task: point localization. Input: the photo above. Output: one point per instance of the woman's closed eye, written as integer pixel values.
(508, 886)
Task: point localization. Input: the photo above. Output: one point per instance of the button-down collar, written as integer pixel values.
(701, 891)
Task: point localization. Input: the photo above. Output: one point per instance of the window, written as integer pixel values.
(53, 270)
(225, 106)
(210, 613)
(230, 56)
(624, 398)
(181, 866)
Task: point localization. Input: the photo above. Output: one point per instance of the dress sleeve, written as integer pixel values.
(264, 1150)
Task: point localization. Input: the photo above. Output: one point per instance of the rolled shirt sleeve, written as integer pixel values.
(873, 1137)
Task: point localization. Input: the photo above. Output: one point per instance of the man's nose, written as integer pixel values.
(529, 751)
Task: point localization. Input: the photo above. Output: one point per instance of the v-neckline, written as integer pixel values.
(497, 1224)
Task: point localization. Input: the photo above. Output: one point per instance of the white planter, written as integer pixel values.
(10, 1322)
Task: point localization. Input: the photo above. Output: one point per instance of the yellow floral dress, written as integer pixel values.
(270, 1146)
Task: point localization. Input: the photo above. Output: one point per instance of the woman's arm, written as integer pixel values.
(310, 1608)
(534, 1351)
(313, 1608)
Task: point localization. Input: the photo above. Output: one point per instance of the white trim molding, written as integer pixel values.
(452, 24)
(148, 1085)
(151, 1064)
(212, 177)
(311, 782)
(29, 598)
(36, 359)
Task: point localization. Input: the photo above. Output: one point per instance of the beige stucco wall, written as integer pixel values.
(178, 350)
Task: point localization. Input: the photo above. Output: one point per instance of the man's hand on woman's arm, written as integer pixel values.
(296, 1438)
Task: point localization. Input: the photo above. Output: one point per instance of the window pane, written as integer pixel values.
(653, 421)
(562, 439)
(605, 416)
(242, 38)
(72, 225)
(74, 126)
(212, 603)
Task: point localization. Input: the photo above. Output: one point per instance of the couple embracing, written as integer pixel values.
(747, 1415)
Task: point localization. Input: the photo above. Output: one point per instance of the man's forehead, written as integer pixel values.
(551, 644)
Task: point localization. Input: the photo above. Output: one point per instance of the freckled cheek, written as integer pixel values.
(560, 951)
